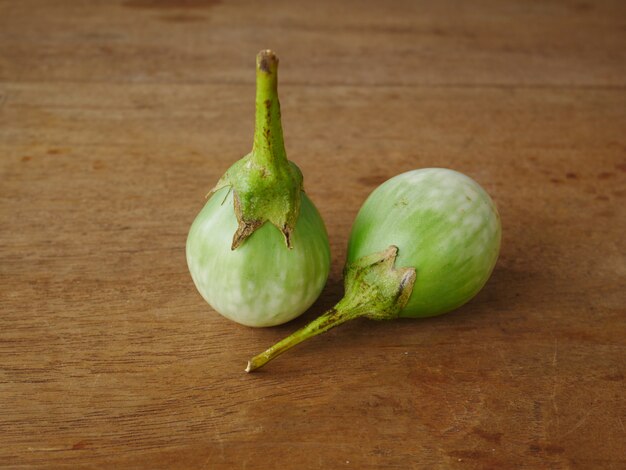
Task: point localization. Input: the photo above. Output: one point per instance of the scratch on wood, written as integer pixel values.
(93, 388)
(556, 353)
(506, 366)
(555, 363)
(580, 422)
(555, 406)
(209, 460)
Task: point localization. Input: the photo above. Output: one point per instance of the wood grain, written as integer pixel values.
(117, 117)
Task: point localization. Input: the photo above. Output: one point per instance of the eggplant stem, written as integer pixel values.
(374, 288)
(268, 149)
(332, 318)
(266, 186)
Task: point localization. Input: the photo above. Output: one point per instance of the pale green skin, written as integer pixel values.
(262, 282)
(445, 226)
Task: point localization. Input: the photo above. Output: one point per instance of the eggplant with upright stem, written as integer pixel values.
(254, 272)
(424, 243)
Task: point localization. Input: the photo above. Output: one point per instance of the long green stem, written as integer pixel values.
(374, 288)
(322, 324)
(266, 186)
(269, 146)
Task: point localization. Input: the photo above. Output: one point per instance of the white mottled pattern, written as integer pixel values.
(261, 283)
(445, 225)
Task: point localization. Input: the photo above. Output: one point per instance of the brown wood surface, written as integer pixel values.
(116, 117)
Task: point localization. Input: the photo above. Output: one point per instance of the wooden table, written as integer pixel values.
(117, 117)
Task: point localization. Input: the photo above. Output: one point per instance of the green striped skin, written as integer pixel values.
(262, 282)
(445, 226)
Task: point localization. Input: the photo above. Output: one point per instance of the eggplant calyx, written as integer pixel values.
(263, 194)
(375, 287)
